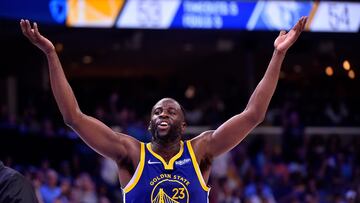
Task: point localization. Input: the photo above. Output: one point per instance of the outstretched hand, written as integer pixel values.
(35, 37)
(284, 41)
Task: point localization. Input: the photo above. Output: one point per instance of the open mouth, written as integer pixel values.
(163, 125)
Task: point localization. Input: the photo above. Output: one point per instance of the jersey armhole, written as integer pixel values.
(196, 167)
(139, 169)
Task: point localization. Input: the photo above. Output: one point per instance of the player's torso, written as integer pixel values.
(156, 181)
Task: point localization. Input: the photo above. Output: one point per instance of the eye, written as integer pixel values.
(157, 111)
(172, 112)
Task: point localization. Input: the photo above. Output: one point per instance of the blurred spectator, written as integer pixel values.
(88, 193)
(221, 165)
(258, 191)
(50, 190)
(109, 171)
(336, 112)
(226, 192)
(293, 135)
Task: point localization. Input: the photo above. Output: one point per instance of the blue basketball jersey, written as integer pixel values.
(155, 181)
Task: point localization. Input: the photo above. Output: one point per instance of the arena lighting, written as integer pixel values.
(282, 75)
(59, 47)
(329, 71)
(87, 59)
(297, 69)
(346, 65)
(190, 92)
(351, 74)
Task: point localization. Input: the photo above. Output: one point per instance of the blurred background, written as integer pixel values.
(121, 56)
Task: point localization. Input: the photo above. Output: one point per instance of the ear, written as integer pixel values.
(149, 127)
(183, 127)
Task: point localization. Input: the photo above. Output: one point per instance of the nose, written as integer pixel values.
(163, 114)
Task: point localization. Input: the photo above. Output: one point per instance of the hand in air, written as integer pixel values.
(35, 37)
(284, 41)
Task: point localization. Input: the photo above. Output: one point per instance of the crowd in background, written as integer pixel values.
(299, 168)
(127, 105)
(296, 168)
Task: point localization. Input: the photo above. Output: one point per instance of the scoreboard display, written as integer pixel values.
(324, 16)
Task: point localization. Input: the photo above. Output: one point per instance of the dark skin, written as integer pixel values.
(125, 150)
(166, 142)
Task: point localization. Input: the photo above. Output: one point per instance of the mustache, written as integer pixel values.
(172, 134)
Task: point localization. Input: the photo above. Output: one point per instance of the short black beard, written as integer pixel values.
(173, 134)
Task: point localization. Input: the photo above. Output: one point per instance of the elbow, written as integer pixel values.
(260, 118)
(72, 119)
(257, 117)
(69, 121)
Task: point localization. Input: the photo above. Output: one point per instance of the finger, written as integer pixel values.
(24, 29)
(36, 30)
(299, 27)
(27, 27)
(282, 32)
(302, 21)
(305, 21)
(303, 24)
(22, 26)
(28, 30)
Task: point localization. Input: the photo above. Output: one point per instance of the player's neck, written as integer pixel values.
(166, 149)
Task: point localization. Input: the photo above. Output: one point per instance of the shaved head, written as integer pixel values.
(169, 99)
(167, 122)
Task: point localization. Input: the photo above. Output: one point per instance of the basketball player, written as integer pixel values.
(167, 169)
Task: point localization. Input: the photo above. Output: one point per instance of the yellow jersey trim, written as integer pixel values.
(196, 167)
(139, 170)
(170, 165)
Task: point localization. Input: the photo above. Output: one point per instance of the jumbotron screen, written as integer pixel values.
(324, 16)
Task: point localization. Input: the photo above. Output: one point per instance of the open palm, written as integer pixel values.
(35, 37)
(284, 41)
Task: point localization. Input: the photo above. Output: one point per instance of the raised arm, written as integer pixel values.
(232, 132)
(96, 134)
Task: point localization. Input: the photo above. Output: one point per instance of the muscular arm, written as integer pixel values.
(96, 134)
(232, 132)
